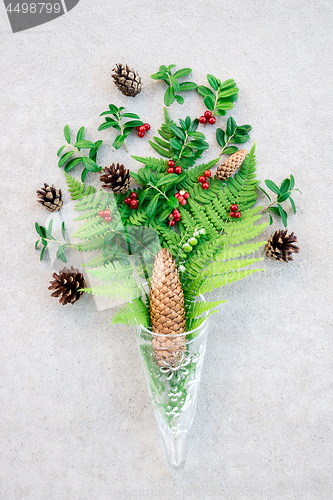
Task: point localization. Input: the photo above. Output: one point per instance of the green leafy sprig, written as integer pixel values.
(114, 121)
(174, 86)
(181, 143)
(46, 236)
(283, 193)
(232, 135)
(89, 162)
(221, 99)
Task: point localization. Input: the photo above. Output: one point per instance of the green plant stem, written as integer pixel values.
(226, 145)
(184, 145)
(264, 209)
(121, 129)
(154, 187)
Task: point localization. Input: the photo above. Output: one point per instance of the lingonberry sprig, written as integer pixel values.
(232, 135)
(68, 161)
(221, 99)
(46, 236)
(106, 215)
(207, 118)
(115, 122)
(174, 86)
(143, 129)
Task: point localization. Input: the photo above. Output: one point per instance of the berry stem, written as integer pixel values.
(264, 209)
(226, 145)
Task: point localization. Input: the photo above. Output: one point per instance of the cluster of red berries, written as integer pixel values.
(132, 201)
(174, 169)
(142, 129)
(174, 217)
(105, 214)
(182, 196)
(203, 179)
(234, 211)
(207, 117)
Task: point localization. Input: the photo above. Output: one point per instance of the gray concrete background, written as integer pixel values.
(76, 421)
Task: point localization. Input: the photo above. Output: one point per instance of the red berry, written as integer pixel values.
(186, 196)
(134, 204)
(176, 195)
(207, 173)
(207, 114)
(202, 179)
(107, 213)
(175, 211)
(180, 198)
(182, 192)
(202, 119)
(141, 134)
(212, 120)
(205, 185)
(232, 214)
(177, 218)
(170, 216)
(138, 128)
(171, 163)
(170, 170)
(183, 202)
(101, 213)
(133, 196)
(146, 126)
(237, 215)
(142, 128)
(172, 222)
(234, 208)
(127, 201)
(107, 219)
(178, 170)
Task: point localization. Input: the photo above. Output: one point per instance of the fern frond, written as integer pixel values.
(113, 271)
(127, 290)
(77, 189)
(217, 268)
(201, 219)
(155, 164)
(194, 174)
(194, 323)
(136, 309)
(138, 217)
(217, 281)
(97, 261)
(199, 308)
(246, 234)
(233, 252)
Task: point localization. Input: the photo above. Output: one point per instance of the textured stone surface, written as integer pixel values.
(75, 419)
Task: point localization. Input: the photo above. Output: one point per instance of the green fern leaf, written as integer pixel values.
(217, 281)
(77, 189)
(136, 310)
(127, 290)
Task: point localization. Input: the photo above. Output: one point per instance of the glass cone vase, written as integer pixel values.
(173, 383)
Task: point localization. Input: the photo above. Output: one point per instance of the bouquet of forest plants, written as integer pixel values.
(165, 235)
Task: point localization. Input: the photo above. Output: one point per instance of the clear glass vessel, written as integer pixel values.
(174, 386)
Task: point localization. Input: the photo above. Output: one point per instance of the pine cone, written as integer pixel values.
(280, 246)
(167, 310)
(230, 165)
(116, 178)
(127, 80)
(50, 197)
(66, 285)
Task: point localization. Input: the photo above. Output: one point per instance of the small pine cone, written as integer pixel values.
(50, 197)
(167, 310)
(280, 246)
(116, 178)
(230, 165)
(127, 80)
(66, 285)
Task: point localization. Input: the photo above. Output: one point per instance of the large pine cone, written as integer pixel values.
(66, 285)
(127, 80)
(50, 197)
(167, 310)
(230, 165)
(116, 178)
(280, 246)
